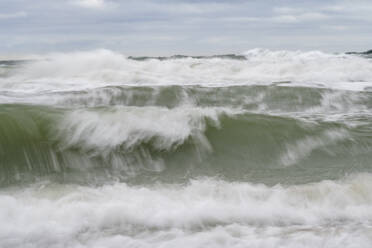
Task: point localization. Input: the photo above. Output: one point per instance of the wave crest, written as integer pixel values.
(85, 70)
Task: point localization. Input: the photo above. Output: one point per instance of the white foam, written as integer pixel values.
(302, 148)
(126, 127)
(85, 70)
(205, 213)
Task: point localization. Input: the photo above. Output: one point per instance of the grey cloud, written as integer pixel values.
(19, 14)
(157, 27)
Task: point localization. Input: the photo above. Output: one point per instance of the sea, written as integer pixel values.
(262, 149)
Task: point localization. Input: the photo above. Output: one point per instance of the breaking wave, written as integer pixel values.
(202, 213)
(124, 142)
(86, 70)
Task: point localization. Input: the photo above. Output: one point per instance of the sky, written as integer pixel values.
(166, 27)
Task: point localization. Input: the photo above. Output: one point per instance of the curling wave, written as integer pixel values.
(171, 144)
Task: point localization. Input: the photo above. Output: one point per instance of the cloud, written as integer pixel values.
(358, 10)
(310, 16)
(158, 27)
(94, 4)
(336, 27)
(287, 10)
(20, 14)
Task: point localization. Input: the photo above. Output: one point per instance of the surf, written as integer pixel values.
(260, 149)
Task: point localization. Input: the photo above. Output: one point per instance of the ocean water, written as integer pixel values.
(260, 149)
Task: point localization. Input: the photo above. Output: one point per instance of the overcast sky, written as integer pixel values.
(165, 27)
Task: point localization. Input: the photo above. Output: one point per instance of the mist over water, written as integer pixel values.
(261, 149)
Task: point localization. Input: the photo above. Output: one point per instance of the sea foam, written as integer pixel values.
(203, 213)
(86, 70)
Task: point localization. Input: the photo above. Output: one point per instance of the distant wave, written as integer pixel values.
(86, 70)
